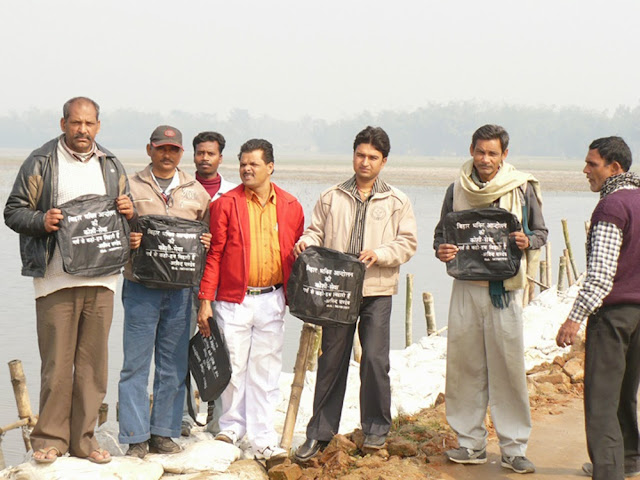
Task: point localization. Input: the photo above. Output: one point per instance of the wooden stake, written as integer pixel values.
(408, 313)
(549, 259)
(543, 273)
(312, 362)
(299, 370)
(14, 425)
(3, 465)
(19, 383)
(429, 312)
(570, 277)
(562, 267)
(572, 262)
(103, 413)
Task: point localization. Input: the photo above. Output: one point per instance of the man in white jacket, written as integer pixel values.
(366, 217)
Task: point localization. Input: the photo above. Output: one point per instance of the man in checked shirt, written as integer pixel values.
(610, 299)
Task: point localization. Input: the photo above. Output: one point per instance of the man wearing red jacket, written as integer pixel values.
(254, 228)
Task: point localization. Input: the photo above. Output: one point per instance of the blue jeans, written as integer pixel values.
(156, 322)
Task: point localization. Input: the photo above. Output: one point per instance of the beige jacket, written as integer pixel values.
(188, 200)
(390, 231)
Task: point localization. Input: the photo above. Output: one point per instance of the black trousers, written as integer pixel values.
(333, 367)
(612, 374)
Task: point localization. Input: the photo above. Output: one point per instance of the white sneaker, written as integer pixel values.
(227, 436)
(268, 453)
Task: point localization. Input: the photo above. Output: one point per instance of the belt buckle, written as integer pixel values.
(254, 291)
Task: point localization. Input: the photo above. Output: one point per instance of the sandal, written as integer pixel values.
(99, 452)
(45, 458)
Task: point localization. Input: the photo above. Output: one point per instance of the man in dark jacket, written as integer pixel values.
(73, 313)
(610, 302)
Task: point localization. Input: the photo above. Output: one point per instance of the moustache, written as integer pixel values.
(82, 135)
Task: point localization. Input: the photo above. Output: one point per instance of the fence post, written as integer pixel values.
(562, 267)
(19, 383)
(408, 314)
(429, 312)
(299, 371)
(572, 262)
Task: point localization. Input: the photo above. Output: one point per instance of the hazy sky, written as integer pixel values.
(324, 59)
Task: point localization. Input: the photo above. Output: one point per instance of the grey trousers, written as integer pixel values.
(485, 366)
(73, 332)
(333, 368)
(612, 374)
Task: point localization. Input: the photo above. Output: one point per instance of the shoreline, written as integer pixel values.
(554, 174)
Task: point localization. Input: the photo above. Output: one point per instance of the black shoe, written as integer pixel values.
(374, 442)
(139, 450)
(309, 449)
(158, 444)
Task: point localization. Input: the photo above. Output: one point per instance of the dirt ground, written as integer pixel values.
(416, 444)
(556, 446)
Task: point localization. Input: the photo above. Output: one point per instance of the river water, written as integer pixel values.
(17, 307)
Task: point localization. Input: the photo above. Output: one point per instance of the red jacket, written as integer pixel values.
(226, 274)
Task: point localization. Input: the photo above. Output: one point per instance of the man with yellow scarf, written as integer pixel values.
(485, 352)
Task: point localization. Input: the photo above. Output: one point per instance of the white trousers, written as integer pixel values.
(485, 365)
(254, 332)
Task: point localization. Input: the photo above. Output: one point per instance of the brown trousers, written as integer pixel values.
(73, 331)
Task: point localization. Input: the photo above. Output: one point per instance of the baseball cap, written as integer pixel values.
(166, 135)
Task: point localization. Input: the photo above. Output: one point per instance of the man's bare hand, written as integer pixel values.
(205, 238)
(51, 219)
(447, 252)
(125, 206)
(521, 239)
(135, 239)
(368, 257)
(299, 248)
(204, 313)
(567, 333)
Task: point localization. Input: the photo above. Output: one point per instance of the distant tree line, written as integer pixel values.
(433, 130)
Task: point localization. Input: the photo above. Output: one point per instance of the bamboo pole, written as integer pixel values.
(12, 426)
(19, 383)
(299, 370)
(103, 413)
(312, 362)
(408, 312)
(429, 312)
(540, 284)
(565, 230)
(549, 259)
(543, 273)
(562, 267)
(570, 278)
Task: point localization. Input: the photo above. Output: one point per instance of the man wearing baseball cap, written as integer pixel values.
(156, 320)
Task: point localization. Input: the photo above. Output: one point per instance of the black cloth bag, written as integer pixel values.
(93, 237)
(325, 287)
(209, 363)
(171, 254)
(485, 250)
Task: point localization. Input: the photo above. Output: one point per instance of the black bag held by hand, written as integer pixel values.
(485, 250)
(93, 237)
(209, 363)
(171, 254)
(325, 287)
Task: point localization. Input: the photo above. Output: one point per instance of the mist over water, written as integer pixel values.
(17, 307)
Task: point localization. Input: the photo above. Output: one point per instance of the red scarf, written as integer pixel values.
(210, 185)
